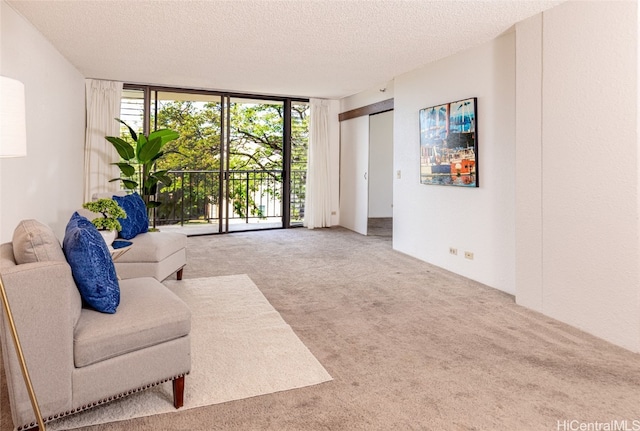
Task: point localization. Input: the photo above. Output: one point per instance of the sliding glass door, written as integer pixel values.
(254, 174)
(193, 160)
(239, 164)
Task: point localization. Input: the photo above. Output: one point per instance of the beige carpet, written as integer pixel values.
(241, 348)
(409, 346)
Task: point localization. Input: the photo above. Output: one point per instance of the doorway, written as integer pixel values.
(366, 171)
(380, 192)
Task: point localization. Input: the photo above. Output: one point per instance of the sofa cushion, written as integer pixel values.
(91, 265)
(154, 247)
(149, 314)
(137, 220)
(35, 242)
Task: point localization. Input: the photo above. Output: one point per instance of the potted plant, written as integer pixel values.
(108, 224)
(138, 162)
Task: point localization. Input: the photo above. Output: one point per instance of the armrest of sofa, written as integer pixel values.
(45, 305)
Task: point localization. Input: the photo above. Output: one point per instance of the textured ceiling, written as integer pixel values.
(328, 49)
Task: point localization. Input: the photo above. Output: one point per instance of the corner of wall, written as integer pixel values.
(528, 162)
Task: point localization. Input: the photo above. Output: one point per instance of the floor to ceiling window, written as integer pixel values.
(240, 161)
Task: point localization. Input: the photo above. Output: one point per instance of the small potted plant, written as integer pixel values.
(108, 224)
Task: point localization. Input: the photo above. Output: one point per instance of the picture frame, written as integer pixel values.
(449, 144)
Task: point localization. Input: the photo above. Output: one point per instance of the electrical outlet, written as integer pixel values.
(453, 251)
(333, 213)
(468, 255)
(399, 174)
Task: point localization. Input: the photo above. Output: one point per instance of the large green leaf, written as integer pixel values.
(142, 142)
(124, 149)
(165, 134)
(133, 134)
(150, 185)
(161, 172)
(129, 184)
(150, 150)
(163, 177)
(150, 182)
(126, 169)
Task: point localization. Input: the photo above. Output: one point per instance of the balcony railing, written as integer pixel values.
(194, 196)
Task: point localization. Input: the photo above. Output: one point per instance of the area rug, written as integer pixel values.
(240, 348)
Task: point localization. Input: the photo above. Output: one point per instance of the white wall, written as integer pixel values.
(427, 219)
(556, 218)
(47, 184)
(334, 155)
(578, 257)
(368, 97)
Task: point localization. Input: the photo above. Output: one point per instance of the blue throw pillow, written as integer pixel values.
(137, 220)
(119, 243)
(91, 265)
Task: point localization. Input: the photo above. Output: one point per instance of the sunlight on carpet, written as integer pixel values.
(240, 348)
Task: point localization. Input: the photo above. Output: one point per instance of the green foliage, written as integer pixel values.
(256, 144)
(256, 136)
(138, 159)
(110, 211)
(198, 124)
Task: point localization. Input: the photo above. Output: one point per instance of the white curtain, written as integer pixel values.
(103, 106)
(317, 211)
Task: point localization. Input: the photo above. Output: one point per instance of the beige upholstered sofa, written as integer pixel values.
(153, 254)
(77, 357)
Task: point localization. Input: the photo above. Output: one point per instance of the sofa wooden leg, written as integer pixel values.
(178, 392)
(179, 274)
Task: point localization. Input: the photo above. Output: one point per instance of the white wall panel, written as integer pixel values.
(590, 238)
(354, 167)
(47, 184)
(429, 219)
